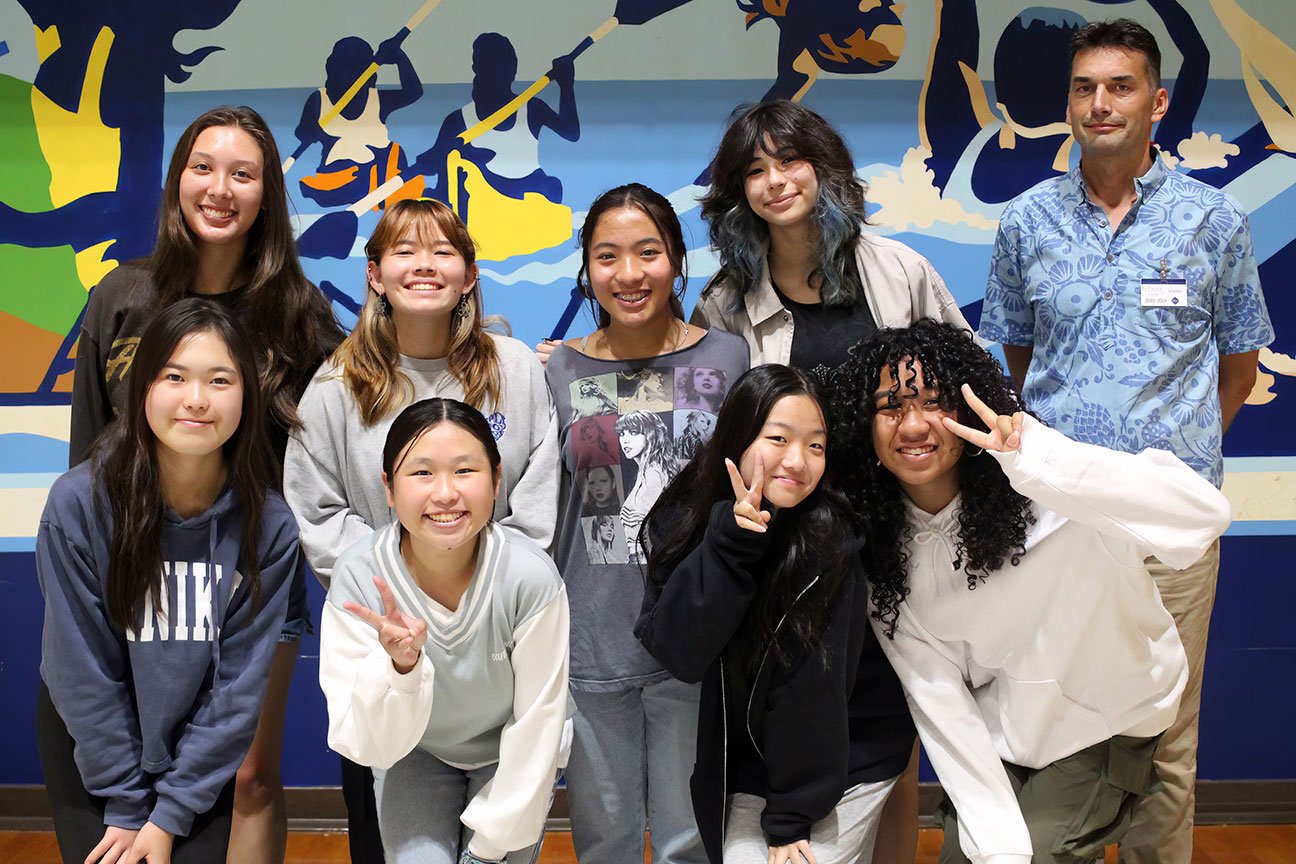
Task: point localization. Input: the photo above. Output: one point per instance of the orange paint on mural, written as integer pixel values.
(25, 354)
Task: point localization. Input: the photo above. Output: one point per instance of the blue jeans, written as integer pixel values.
(420, 800)
(631, 758)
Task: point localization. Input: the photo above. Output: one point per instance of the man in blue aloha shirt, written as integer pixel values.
(1128, 303)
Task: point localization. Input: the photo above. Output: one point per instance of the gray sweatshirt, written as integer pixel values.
(333, 467)
(627, 427)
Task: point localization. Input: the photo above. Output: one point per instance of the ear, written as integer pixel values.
(1160, 104)
(387, 489)
(374, 277)
(499, 472)
(470, 278)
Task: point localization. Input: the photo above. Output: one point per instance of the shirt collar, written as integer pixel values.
(762, 303)
(1073, 183)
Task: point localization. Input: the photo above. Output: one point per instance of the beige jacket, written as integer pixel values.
(900, 287)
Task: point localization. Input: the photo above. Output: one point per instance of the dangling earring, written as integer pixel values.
(461, 308)
(384, 305)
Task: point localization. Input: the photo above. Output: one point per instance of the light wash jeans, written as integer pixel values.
(844, 836)
(420, 800)
(631, 758)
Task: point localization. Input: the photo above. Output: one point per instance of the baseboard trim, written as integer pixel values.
(320, 808)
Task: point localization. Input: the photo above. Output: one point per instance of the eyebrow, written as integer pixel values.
(1085, 79)
(818, 430)
(240, 163)
(182, 368)
(647, 241)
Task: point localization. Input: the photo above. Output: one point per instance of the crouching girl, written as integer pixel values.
(444, 653)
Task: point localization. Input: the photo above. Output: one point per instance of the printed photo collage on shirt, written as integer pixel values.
(632, 431)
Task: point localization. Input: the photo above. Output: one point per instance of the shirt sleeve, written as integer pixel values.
(212, 745)
(1007, 315)
(1240, 316)
(686, 622)
(85, 665)
(533, 501)
(508, 813)
(376, 715)
(315, 487)
(992, 829)
(1151, 499)
(91, 404)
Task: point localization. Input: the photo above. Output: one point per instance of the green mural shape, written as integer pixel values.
(26, 185)
(43, 287)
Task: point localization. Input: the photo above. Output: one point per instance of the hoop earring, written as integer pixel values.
(978, 452)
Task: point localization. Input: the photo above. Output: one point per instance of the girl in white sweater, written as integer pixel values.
(1009, 592)
(443, 653)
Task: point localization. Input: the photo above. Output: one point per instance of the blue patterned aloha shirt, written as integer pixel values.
(1106, 370)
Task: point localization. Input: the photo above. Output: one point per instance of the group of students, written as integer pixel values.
(786, 532)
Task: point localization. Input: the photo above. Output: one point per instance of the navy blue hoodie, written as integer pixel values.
(162, 719)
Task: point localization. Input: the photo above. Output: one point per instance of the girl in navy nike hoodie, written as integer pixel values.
(756, 589)
(166, 562)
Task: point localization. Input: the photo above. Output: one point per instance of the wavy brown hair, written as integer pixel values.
(369, 358)
(291, 324)
(125, 456)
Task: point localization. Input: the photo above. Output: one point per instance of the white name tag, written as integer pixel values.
(1164, 292)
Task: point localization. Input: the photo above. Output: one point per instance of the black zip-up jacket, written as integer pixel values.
(819, 724)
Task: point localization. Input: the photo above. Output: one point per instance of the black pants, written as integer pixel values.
(78, 815)
(362, 814)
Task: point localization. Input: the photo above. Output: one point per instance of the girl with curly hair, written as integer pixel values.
(1009, 590)
(756, 589)
(630, 761)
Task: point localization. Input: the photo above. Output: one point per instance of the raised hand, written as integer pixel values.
(400, 635)
(1005, 432)
(747, 512)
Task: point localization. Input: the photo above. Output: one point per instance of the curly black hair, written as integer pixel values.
(992, 517)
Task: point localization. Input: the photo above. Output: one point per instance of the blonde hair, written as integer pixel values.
(368, 358)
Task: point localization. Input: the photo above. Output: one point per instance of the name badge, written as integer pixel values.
(1164, 292)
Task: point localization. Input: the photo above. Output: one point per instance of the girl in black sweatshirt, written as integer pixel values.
(755, 588)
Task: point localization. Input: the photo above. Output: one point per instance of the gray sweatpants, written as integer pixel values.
(844, 836)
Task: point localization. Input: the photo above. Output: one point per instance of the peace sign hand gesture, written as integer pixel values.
(400, 635)
(1005, 432)
(747, 512)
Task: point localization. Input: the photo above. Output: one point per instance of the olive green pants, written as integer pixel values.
(1076, 806)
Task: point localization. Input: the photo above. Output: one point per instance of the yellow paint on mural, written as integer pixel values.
(48, 421)
(20, 511)
(1265, 54)
(1261, 496)
(504, 226)
(91, 266)
(83, 154)
(47, 42)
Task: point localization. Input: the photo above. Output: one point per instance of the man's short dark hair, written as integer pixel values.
(1120, 33)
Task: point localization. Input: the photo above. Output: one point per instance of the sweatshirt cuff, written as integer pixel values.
(1027, 461)
(737, 543)
(120, 813)
(172, 817)
(789, 839)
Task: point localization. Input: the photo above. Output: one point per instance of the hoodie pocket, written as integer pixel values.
(1037, 718)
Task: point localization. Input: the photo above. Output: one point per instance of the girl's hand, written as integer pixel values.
(544, 348)
(793, 853)
(152, 844)
(115, 844)
(747, 512)
(1005, 432)
(401, 636)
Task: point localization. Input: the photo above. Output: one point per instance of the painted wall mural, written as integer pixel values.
(518, 114)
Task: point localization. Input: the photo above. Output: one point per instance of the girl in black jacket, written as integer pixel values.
(755, 588)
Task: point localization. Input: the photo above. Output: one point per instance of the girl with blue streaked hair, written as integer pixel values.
(802, 280)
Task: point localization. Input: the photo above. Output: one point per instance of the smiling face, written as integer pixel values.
(195, 403)
(792, 444)
(781, 186)
(911, 441)
(422, 275)
(1112, 104)
(221, 186)
(630, 270)
(443, 488)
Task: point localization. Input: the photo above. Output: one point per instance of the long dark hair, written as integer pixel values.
(291, 323)
(411, 424)
(660, 212)
(992, 516)
(742, 238)
(126, 457)
(815, 537)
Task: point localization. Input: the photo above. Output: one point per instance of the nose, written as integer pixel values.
(424, 261)
(1101, 104)
(442, 489)
(195, 395)
(631, 270)
(912, 423)
(776, 177)
(220, 185)
(793, 458)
